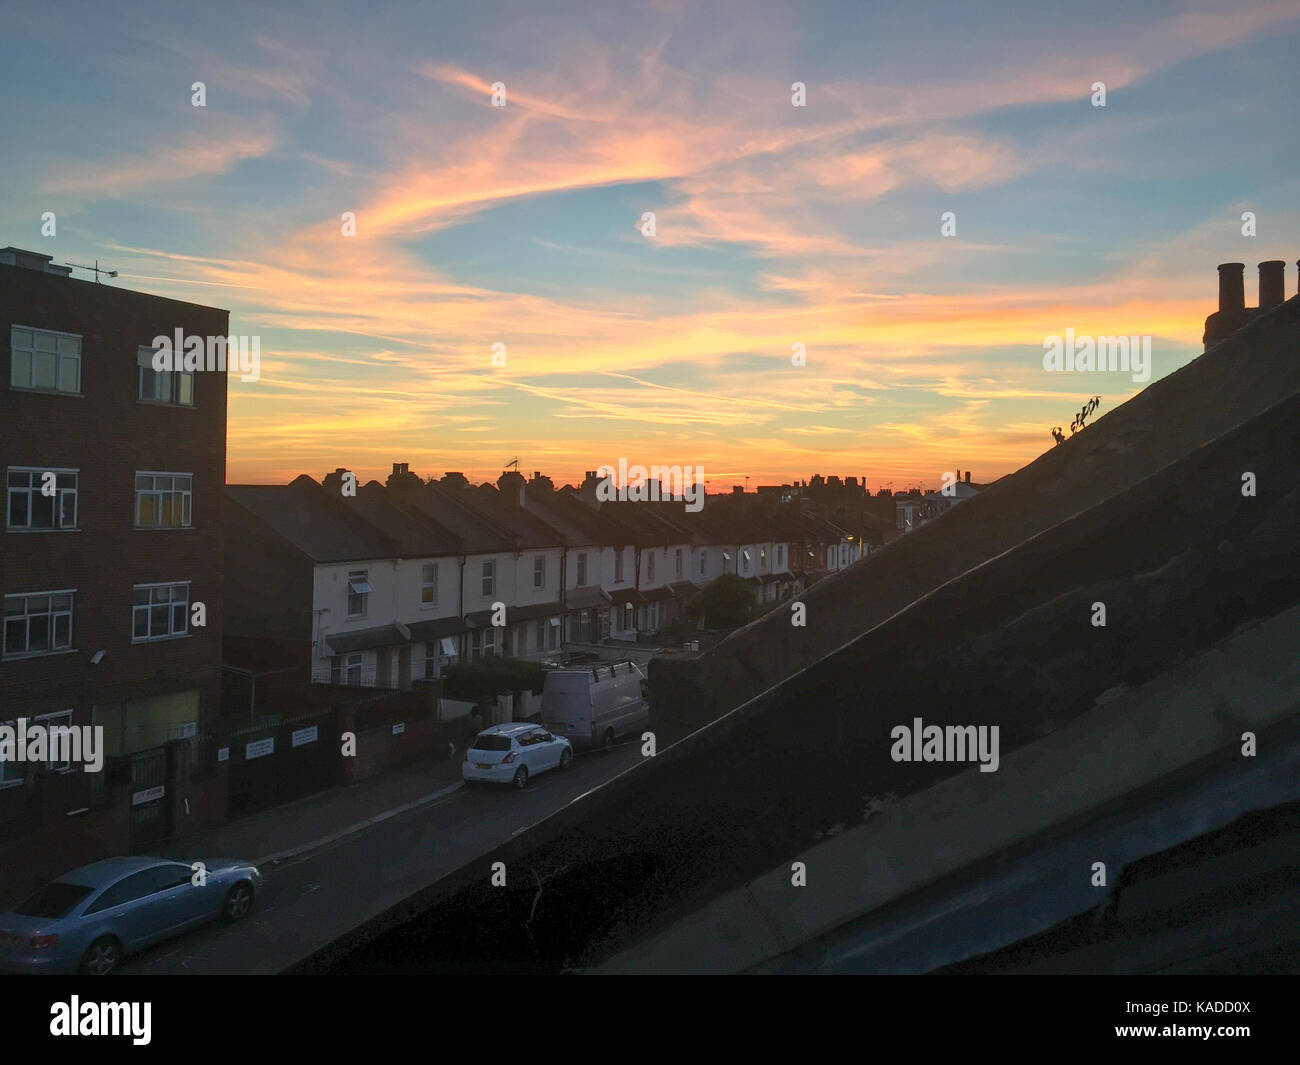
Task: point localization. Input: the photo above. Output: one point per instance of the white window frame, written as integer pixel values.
(358, 576)
(482, 643)
(677, 559)
(15, 349)
(488, 583)
(618, 564)
(45, 719)
(50, 612)
(170, 603)
(178, 382)
(650, 566)
(427, 585)
(36, 475)
(539, 572)
(182, 496)
(582, 568)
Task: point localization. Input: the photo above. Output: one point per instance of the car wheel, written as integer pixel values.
(102, 957)
(239, 900)
(566, 758)
(521, 776)
(609, 738)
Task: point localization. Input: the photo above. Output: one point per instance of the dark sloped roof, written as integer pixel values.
(436, 628)
(531, 530)
(417, 533)
(589, 596)
(448, 507)
(306, 515)
(365, 639)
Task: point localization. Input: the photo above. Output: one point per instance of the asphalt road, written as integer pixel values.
(311, 900)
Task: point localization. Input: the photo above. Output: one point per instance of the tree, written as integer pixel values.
(1084, 414)
(725, 603)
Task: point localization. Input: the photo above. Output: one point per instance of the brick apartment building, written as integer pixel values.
(99, 579)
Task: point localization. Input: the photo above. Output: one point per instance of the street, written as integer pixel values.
(308, 901)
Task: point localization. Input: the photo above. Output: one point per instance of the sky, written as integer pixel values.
(775, 225)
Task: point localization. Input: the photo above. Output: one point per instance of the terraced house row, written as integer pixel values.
(385, 585)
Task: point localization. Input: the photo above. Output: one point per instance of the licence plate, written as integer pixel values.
(482, 765)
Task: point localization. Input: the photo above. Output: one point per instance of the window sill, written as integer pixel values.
(38, 654)
(46, 392)
(163, 528)
(161, 639)
(164, 403)
(20, 529)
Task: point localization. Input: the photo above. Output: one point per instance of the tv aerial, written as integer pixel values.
(94, 269)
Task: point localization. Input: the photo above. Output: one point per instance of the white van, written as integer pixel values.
(593, 707)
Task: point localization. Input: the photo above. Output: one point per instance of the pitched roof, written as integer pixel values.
(417, 533)
(309, 517)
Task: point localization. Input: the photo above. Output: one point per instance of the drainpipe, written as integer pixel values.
(460, 603)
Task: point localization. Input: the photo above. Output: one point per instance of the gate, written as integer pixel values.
(150, 805)
(275, 763)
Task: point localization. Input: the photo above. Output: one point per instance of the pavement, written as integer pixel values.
(318, 820)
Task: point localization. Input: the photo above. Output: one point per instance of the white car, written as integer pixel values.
(513, 752)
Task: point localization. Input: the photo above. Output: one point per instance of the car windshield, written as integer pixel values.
(492, 741)
(53, 900)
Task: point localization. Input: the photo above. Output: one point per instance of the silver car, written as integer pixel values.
(90, 919)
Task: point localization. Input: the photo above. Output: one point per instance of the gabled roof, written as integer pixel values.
(449, 508)
(574, 520)
(417, 533)
(531, 530)
(306, 515)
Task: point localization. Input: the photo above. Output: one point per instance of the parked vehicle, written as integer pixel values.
(594, 707)
(91, 918)
(513, 752)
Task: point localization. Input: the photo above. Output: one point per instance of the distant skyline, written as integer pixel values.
(775, 225)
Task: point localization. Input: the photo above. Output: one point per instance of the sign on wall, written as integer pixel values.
(304, 735)
(258, 748)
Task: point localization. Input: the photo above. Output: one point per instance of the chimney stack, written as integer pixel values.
(1232, 287)
(968, 476)
(1272, 280)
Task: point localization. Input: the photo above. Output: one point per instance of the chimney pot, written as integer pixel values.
(1272, 276)
(1232, 287)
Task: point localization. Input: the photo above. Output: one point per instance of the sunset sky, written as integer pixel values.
(775, 224)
